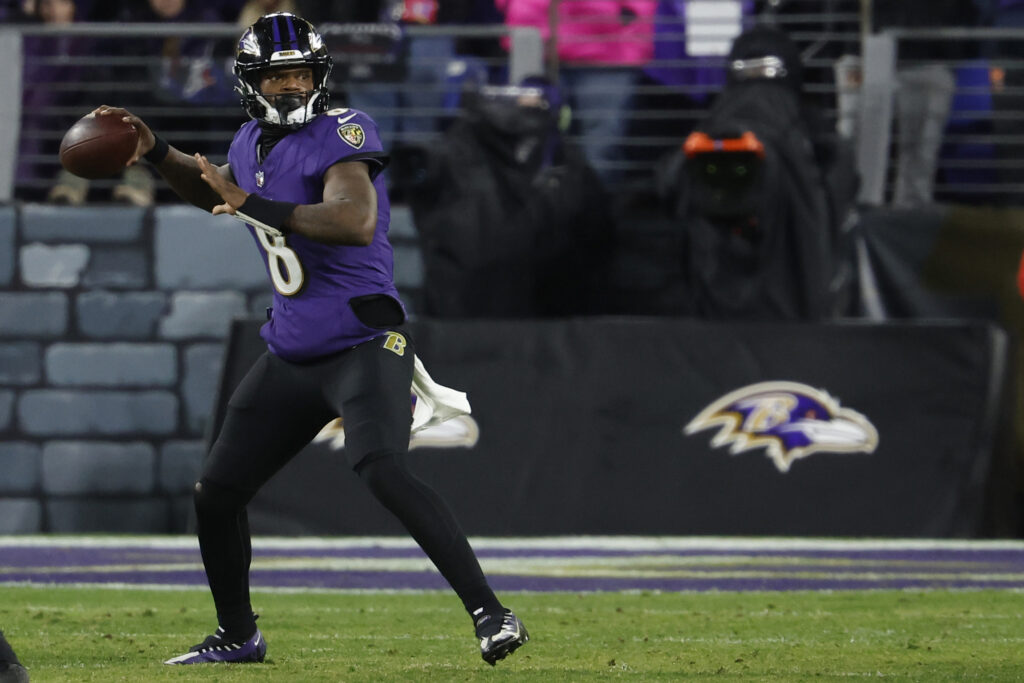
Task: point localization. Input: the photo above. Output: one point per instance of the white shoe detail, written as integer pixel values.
(180, 659)
(509, 638)
(197, 654)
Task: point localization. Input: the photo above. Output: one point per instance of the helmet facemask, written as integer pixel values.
(291, 110)
(282, 40)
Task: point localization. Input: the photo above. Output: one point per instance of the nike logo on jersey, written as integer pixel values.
(347, 118)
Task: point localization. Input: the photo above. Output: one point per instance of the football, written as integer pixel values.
(98, 146)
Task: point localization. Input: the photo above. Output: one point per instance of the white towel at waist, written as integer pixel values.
(434, 403)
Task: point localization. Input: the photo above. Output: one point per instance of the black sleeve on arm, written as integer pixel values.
(159, 151)
(268, 211)
(375, 162)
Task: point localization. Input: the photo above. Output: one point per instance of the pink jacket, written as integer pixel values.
(593, 31)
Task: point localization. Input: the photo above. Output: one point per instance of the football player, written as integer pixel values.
(307, 181)
(11, 670)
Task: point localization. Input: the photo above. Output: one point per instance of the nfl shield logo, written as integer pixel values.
(353, 134)
(259, 178)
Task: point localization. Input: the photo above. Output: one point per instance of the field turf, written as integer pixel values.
(123, 634)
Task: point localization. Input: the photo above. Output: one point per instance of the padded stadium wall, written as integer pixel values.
(113, 330)
(112, 327)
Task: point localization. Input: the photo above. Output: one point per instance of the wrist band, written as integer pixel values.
(159, 151)
(268, 211)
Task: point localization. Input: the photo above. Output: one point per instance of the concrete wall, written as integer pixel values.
(112, 322)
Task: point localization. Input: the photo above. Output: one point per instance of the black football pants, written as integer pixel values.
(276, 410)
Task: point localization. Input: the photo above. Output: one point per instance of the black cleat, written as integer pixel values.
(507, 640)
(217, 649)
(11, 670)
(12, 673)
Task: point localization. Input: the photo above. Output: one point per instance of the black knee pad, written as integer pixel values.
(210, 497)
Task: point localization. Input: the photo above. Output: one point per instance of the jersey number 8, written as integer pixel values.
(283, 263)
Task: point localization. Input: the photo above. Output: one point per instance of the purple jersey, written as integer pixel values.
(313, 281)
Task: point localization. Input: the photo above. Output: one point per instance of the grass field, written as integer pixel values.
(109, 634)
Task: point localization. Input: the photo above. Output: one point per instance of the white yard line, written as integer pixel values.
(604, 543)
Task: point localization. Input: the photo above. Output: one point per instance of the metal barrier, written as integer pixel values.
(66, 71)
(670, 93)
(975, 102)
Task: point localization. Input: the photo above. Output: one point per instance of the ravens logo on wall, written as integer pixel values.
(788, 419)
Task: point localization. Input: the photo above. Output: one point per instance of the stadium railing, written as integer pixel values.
(980, 161)
(672, 95)
(100, 79)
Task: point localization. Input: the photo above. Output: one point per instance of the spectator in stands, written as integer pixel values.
(1007, 83)
(11, 12)
(689, 50)
(408, 94)
(820, 28)
(186, 74)
(324, 11)
(191, 72)
(824, 30)
(254, 9)
(229, 9)
(762, 193)
(1003, 13)
(598, 48)
(99, 10)
(49, 61)
(925, 86)
(513, 221)
(686, 69)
